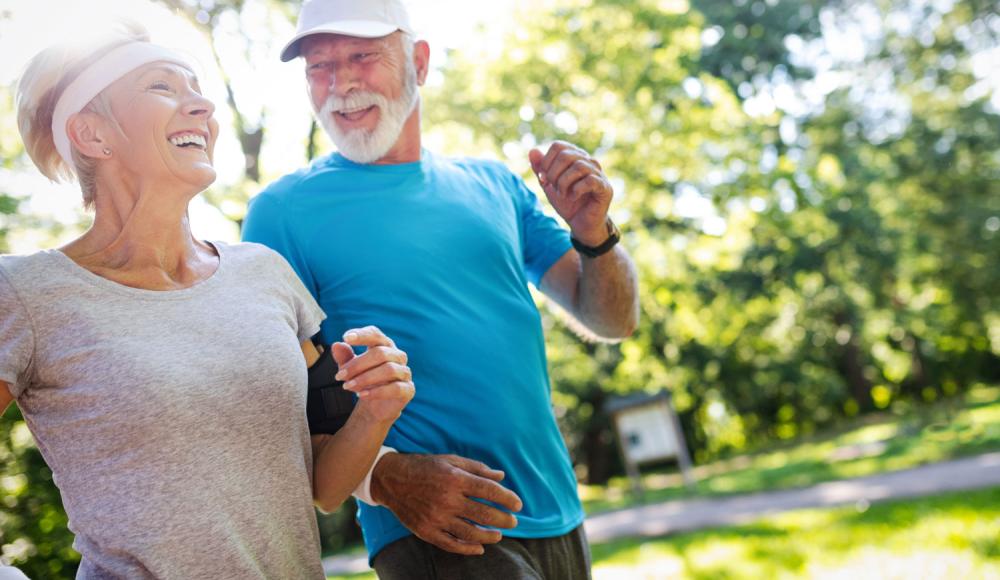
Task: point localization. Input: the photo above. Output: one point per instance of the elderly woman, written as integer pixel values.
(163, 377)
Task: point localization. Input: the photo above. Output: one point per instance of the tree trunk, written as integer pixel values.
(595, 448)
(311, 145)
(851, 364)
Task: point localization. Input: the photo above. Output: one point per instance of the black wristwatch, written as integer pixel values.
(614, 236)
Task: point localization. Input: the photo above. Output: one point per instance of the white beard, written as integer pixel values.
(368, 146)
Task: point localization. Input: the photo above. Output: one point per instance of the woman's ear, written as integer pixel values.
(86, 132)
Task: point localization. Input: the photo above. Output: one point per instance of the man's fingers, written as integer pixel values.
(535, 156)
(588, 184)
(486, 515)
(475, 467)
(569, 159)
(450, 543)
(367, 336)
(564, 167)
(496, 493)
(472, 534)
(555, 150)
(372, 358)
(485, 486)
(577, 171)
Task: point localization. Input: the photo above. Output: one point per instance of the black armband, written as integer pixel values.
(328, 405)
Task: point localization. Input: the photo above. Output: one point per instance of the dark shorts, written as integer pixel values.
(564, 557)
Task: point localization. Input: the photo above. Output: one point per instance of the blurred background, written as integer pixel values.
(810, 189)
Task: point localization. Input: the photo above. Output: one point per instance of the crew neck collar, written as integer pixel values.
(425, 157)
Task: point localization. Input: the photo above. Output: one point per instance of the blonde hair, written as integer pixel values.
(43, 81)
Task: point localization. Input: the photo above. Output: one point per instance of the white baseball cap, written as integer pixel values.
(361, 18)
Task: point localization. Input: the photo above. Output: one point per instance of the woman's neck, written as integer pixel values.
(143, 240)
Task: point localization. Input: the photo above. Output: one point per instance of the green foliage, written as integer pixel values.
(33, 532)
(752, 37)
(839, 268)
(358, 576)
(10, 149)
(841, 258)
(338, 530)
(868, 445)
(947, 536)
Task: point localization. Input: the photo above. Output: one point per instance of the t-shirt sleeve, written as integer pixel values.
(307, 312)
(17, 338)
(266, 223)
(543, 239)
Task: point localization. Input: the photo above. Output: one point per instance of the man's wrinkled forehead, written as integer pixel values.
(321, 42)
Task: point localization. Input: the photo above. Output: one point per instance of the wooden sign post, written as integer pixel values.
(648, 431)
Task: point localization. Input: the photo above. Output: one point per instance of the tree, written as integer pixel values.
(222, 24)
(796, 268)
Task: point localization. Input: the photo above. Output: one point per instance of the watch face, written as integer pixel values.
(612, 229)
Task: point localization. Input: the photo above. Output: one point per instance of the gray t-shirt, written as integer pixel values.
(174, 421)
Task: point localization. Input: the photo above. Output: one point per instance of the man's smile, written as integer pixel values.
(354, 115)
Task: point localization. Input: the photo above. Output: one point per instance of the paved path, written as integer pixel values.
(693, 514)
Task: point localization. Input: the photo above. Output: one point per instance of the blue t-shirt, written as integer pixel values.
(438, 254)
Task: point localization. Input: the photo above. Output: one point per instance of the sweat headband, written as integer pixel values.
(97, 77)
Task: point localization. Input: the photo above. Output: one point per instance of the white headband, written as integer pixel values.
(97, 77)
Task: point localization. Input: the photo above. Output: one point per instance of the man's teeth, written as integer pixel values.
(189, 138)
(353, 111)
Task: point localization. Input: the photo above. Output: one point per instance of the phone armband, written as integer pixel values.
(328, 405)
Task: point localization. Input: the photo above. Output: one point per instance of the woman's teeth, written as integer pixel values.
(190, 139)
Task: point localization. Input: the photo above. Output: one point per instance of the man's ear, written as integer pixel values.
(86, 133)
(421, 60)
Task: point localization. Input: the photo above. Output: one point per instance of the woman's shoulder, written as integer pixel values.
(25, 267)
(27, 279)
(246, 250)
(251, 255)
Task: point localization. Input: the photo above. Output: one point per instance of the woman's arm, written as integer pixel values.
(384, 386)
(5, 397)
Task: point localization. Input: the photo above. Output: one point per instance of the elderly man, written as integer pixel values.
(478, 450)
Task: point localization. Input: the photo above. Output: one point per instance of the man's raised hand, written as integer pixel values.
(576, 186)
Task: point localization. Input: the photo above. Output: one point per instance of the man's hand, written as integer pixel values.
(577, 188)
(380, 377)
(435, 497)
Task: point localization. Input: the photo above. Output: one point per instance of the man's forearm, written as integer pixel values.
(608, 294)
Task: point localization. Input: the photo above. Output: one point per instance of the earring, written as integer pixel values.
(106, 151)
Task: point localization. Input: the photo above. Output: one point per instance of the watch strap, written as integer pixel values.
(614, 236)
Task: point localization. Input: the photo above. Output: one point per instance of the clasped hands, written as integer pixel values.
(432, 495)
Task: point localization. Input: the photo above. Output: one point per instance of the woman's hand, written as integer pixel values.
(380, 377)
(384, 386)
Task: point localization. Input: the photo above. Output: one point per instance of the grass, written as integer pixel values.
(946, 536)
(370, 575)
(874, 444)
